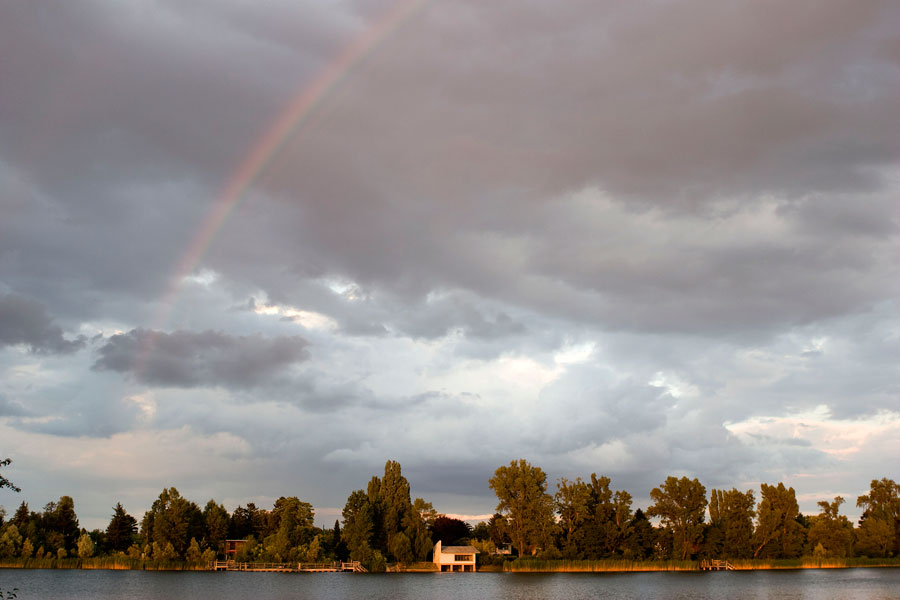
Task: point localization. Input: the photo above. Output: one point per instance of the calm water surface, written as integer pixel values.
(861, 584)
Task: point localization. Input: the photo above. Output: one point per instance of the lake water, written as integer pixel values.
(858, 584)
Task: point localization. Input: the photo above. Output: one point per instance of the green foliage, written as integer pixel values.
(247, 552)
(641, 540)
(680, 504)
(521, 490)
(401, 548)
(27, 549)
(121, 529)
(172, 520)
(381, 524)
(373, 520)
(450, 531)
(731, 524)
(60, 524)
(595, 521)
(293, 521)
(831, 531)
(10, 541)
(193, 552)
(778, 533)
(85, 546)
(215, 518)
(4, 482)
(879, 526)
(134, 552)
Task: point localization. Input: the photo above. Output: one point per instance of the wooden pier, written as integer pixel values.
(716, 565)
(335, 567)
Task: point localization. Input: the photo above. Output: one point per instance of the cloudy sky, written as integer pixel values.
(257, 249)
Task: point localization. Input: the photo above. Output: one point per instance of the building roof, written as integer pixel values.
(458, 550)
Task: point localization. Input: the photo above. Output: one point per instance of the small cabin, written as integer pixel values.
(232, 547)
(457, 559)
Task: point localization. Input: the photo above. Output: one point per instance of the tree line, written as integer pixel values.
(380, 525)
(584, 519)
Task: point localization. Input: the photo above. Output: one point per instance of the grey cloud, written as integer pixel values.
(11, 408)
(210, 358)
(24, 321)
(84, 416)
(702, 190)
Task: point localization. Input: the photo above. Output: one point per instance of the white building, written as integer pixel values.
(455, 558)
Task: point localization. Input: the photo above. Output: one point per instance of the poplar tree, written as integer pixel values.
(879, 527)
(681, 505)
(731, 523)
(777, 530)
(523, 499)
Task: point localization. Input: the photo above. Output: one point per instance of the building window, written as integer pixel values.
(462, 557)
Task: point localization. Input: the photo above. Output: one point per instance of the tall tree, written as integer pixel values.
(681, 505)
(121, 529)
(173, 520)
(372, 519)
(879, 527)
(240, 524)
(641, 537)
(574, 504)
(595, 520)
(395, 499)
(359, 523)
(830, 529)
(450, 531)
(215, 519)
(60, 524)
(522, 493)
(416, 527)
(295, 527)
(778, 533)
(731, 523)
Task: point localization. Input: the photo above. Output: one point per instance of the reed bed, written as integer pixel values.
(114, 563)
(809, 562)
(530, 565)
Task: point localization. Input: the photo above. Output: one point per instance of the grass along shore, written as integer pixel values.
(527, 565)
(114, 563)
(524, 565)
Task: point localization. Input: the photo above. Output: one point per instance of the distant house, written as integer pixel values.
(455, 558)
(232, 547)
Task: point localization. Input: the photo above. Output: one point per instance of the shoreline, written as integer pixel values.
(524, 566)
(623, 566)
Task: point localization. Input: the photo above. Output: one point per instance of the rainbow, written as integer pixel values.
(288, 124)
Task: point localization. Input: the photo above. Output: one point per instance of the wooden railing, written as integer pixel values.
(230, 565)
(716, 565)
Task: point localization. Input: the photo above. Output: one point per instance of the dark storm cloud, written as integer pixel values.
(210, 358)
(684, 133)
(704, 193)
(24, 321)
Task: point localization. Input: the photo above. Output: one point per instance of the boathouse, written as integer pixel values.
(232, 547)
(454, 558)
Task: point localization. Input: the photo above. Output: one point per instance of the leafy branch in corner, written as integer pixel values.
(6, 483)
